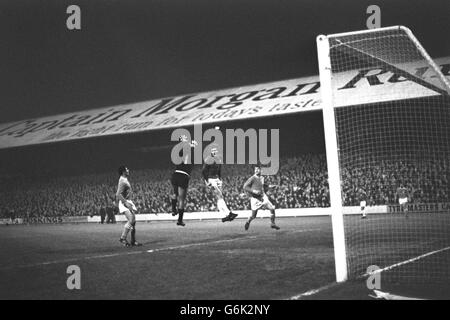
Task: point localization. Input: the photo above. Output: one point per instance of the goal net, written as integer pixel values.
(390, 105)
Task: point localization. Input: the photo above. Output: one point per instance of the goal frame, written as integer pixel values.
(331, 145)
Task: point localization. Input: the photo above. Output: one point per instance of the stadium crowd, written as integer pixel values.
(427, 181)
(301, 182)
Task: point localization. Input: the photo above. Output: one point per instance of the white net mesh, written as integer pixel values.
(392, 116)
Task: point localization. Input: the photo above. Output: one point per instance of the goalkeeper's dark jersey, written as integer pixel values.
(212, 168)
(184, 167)
(187, 165)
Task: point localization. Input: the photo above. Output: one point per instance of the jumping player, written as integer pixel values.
(127, 207)
(402, 195)
(211, 173)
(255, 187)
(180, 182)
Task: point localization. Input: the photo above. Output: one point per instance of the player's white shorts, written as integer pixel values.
(215, 183)
(122, 208)
(362, 204)
(402, 200)
(256, 204)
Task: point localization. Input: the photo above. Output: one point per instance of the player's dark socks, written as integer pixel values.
(180, 214)
(174, 207)
(272, 219)
(247, 225)
(133, 235)
(133, 232)
(180, 217)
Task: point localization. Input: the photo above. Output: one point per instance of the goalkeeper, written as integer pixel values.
(255, 187)
(211, 173)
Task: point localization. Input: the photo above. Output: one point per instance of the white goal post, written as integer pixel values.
(386, 112)
(332, 159)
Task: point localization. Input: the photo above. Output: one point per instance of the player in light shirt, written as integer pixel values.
(254, 187)
(126, 207)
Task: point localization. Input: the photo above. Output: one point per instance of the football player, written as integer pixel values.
(255, 188)
(211, 172)
(127, 207)
(402, 195)
(180, 182)
(362, 202)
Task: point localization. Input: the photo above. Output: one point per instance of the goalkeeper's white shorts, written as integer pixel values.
(122, 207)
(402, 200)
(256, 204)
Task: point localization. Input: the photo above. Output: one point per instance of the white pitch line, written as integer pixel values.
(220, 241)
(405, 262)
(142, 251)
(388, 296)
(198, 244)
(313, 292)
(70, 260)
(330, 285)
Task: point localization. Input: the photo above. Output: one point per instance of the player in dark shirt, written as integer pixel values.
(110, 214)
(212, 175)
(180, 182)
(102, 213)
